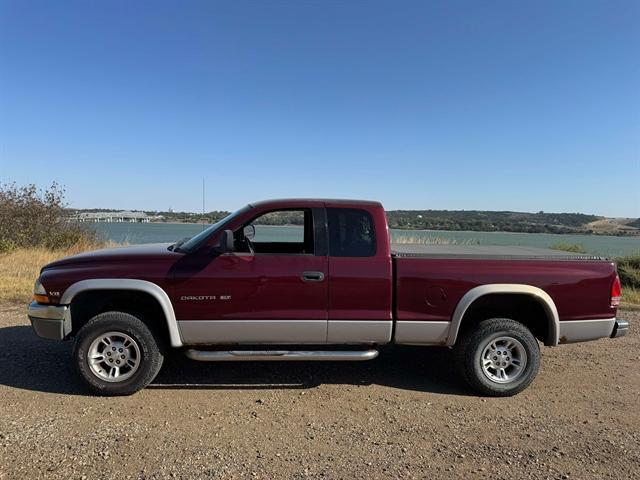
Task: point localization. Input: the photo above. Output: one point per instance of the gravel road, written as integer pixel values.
(404, 415)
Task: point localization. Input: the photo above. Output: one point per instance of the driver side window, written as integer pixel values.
(288, 232)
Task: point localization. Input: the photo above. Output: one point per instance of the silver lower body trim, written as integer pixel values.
(359, 331)
(280, 355)
(211, 332)
(572, 331)
(409, 332)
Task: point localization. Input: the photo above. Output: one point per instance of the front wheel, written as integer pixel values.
(116, 354)
(500, 357)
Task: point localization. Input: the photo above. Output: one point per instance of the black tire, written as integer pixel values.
(148, 353)
(470, 359)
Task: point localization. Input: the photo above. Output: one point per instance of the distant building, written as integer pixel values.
(108, 217)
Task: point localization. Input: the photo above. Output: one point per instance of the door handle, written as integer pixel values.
(312, 276)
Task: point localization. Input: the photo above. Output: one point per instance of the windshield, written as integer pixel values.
(193, 243)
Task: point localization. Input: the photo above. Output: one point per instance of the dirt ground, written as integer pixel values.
(403, 415)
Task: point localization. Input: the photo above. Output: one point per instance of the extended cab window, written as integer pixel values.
(280, 231)
(350, 233)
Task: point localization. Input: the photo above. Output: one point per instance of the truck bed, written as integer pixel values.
(439, 275)
(495, 252)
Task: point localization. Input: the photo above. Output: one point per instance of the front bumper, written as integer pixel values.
(620, 328)
(50, 321)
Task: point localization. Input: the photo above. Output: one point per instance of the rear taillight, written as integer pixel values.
(616, 292)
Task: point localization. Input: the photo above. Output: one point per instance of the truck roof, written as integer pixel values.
(313, 202)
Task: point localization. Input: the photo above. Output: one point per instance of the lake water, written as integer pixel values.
(135, 233)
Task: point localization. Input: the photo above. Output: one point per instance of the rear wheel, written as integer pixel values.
(117, 354)
(499, 357)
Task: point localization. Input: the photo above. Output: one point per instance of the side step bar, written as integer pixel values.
(280, 355)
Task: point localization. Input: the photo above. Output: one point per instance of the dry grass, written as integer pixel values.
(422, 240)
(20, 268)
(631, 298)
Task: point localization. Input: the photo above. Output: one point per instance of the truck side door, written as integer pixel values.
(360, 276)
(272, 289)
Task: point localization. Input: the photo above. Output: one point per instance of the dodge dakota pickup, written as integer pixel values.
(331, 289)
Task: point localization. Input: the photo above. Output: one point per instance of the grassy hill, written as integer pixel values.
(635, 223)
(487, 221)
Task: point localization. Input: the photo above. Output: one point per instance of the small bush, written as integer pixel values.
(629, 271)
(31, 217)
(6, 245)
(569, 247)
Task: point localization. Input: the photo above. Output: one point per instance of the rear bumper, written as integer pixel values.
(50, 321)
(620, 328)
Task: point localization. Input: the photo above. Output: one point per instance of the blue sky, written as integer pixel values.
(496, 105)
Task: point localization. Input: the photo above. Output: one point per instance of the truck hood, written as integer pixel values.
(147, 252)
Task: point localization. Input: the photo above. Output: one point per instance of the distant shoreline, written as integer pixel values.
(421, 220)
(501, 232)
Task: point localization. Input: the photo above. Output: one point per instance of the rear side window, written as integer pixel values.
(350, 233)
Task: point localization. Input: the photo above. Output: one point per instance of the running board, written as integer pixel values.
(280, 355)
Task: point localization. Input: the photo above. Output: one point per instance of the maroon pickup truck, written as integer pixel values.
(331, 289)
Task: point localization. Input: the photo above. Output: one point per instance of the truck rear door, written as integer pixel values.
(360, 275)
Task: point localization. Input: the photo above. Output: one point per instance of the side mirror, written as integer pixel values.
(249, 232)
(226, 242)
